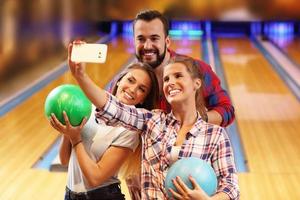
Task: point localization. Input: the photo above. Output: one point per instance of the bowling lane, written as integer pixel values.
(291, 47)
(268, 117)
(26, 134)
(187, 46)
(277, 186)
(267, 113)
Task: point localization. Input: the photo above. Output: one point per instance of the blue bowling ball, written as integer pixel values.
(200, 170)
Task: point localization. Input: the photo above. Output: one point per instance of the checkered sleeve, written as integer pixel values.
(223, 163)
(116, 113)
(216, 98)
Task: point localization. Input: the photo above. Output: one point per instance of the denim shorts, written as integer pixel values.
(110, 192)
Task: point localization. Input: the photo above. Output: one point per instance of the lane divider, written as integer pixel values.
(232, 130)
(286, 77)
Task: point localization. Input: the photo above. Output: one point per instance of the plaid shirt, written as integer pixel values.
(215, 97)
(159, 131)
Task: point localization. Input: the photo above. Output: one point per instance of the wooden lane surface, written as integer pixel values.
(268, 117)
(26, 134)
(186, 46)
(292, 48)
(275, 186)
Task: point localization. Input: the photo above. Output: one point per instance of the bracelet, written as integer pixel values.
(74, 145)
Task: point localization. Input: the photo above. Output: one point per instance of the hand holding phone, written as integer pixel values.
(89, 53)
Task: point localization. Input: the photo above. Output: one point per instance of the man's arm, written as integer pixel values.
(214, 117)
(217, 101)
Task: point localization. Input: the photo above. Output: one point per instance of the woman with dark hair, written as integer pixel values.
(95, 152)
(167, 137)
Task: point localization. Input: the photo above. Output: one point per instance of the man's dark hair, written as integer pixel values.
(149, 15)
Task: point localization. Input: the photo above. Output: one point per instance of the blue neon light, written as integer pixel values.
(281, 33)
(186, 29)
(114, 29)
(127, 28)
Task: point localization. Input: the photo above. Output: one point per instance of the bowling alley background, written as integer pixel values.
(253, 46)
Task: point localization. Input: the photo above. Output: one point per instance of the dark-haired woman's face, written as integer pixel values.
(134, 87)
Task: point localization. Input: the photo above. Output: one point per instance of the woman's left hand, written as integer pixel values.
(184, 192)
(77, 69)
(73, 132)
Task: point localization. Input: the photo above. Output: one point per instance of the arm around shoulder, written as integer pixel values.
(217, 100)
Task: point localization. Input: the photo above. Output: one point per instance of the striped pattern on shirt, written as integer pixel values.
(159, 132)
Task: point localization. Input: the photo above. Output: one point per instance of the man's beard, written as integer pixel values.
(157, 62)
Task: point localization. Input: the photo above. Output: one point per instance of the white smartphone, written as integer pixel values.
(89, 53)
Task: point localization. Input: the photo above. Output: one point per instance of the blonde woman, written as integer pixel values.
(170, 136)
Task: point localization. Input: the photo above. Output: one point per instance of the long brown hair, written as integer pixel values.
(192, 67)
(132, 165)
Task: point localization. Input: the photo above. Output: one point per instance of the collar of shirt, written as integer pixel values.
(172, 53)
(196, 129)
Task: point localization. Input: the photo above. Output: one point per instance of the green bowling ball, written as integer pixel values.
(72, 100)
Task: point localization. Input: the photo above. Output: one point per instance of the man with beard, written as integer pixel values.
(152, 44)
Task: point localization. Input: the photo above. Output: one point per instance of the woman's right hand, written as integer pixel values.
(72, 132)
(77, 69)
